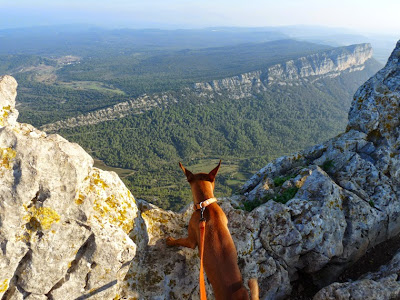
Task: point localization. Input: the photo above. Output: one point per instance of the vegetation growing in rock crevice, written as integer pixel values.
(278, 195)
(327, 165)
(278, 181)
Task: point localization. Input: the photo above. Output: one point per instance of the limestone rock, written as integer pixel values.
(64, 225)
(366, 289)
(158, 270)
(376, 102)
(8, 92)
(328, 63)
(120, 110)
(348, 202)
(382, 284)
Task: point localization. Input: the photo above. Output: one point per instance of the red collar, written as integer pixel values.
(204, 204)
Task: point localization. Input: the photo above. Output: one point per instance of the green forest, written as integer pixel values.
(64, 75)
(51, 90)
(245, 134)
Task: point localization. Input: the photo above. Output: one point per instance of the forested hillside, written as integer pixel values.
(52, 89)
(64, 74)
(244, 133)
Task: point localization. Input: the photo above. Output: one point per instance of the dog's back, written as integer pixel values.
(220, 257)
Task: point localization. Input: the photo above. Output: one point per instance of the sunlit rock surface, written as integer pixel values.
(350, 202)
(64, 225)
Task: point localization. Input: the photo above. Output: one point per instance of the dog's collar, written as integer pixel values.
(204, 204)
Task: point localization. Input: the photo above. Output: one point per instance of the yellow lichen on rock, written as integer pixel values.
(42, 217)
(6, 157)
(4, 112)
(80, 199)
(115, 211)
(4, 286)
(156, 221)
(109, 208)
(97, 181)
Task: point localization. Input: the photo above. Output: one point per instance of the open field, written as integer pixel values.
(90, 85)
(122, 173)
(229, 170)
(207, 164)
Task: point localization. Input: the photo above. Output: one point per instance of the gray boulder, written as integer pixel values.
(64, 225)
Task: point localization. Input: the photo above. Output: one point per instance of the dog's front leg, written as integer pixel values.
(189, 242)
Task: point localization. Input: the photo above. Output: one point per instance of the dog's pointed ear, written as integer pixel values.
(188, 174)
(214, 172)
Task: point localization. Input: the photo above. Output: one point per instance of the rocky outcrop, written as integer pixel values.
(63, 224)
(117, 111)
(380, 285)
(311, 67)
(350, 202)
(237, 87)
(329, 63)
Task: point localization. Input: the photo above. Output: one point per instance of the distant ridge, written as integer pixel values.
(330, 63)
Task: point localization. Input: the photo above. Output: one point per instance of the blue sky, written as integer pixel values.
(361, 15)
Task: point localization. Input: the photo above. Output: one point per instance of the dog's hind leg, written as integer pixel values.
(253, 285)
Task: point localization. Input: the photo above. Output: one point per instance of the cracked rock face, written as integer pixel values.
(381, 285)
(63, 224)
(350, 202)
(329, 63)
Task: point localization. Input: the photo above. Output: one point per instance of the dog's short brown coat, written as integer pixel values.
(220, 256)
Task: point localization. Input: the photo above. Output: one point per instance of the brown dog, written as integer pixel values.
(220, 256)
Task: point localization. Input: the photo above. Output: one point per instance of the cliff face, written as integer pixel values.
(347, 198)
(312, 67)
(328, 63)
(120, 110)
(309, 68)
(67, 228)
(63, 224)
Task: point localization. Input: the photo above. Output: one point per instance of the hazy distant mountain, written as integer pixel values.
(78, 39)
(381, 43)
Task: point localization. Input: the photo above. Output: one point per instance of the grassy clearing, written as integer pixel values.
(207, 164)
(122, 173)
(90, 85)
(229, 175)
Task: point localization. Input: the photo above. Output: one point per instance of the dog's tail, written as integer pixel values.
(253, 286)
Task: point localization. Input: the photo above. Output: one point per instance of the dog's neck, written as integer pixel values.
(202, 191)
(203, 197)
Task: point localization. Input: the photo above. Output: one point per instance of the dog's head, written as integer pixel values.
(201, 179)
